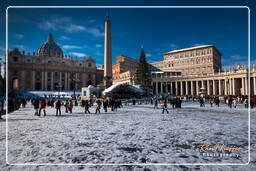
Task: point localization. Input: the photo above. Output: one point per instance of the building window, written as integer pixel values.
(89, 64)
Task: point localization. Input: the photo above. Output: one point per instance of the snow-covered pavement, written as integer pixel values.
(133, 134)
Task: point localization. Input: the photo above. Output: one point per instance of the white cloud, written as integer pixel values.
(78, 54)
(238, 57)
(98, 45)
(149, 55)
(97, 53)
(71, 47)
(173, 46)
(64, 38)
(66, 24)
(91, 21)
(19, 36)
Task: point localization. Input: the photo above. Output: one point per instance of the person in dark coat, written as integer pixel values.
(98, 104)
(165, 107)
(58, 107)
(36, 106)
(86, 106)
(66, 106)
(105, 105)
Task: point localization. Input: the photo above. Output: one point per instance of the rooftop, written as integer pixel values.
(191, 48)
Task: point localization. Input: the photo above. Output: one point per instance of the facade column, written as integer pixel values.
(51, 80)
(42, 81)
(33, 80)
(156, 87)
(233, 86)
(192, 88)
(166, 87)
(230, 86)
(176, 88)
(197, 87)
(243, 91)
(171, 88)
(208, 87)
(220, 93)
(254, 85)
(66, 81)
(186, 89)
(45, 81)
(225, 86)
(181, 88)
(161, 87)
(213, 88)
(60, 84)
(246, 85)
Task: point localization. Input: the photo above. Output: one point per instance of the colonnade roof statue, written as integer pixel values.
(50, 48)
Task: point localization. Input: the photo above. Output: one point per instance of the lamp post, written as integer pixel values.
(74, 82)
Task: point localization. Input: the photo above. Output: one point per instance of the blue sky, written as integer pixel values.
(80, 32)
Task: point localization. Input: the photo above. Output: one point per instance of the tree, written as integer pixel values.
(143, 74)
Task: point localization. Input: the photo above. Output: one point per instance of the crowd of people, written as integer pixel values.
(109, 104)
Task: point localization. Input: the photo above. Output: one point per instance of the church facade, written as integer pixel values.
(49, 69)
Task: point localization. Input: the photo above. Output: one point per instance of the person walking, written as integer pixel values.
(155, 104)
(98, 104)
(234, 103)
(86, 107)
(230, 102)
(42, 107)
(58, 108)
(66, 106)
(211, 101)
(70, 106)
(105, 105)
(165, 107)
(36, 106)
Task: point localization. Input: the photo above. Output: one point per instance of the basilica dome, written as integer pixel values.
(50, 48)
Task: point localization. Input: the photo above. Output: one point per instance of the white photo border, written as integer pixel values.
(131, 164)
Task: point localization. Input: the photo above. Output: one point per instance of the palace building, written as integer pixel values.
(185, 72)
(49, 69)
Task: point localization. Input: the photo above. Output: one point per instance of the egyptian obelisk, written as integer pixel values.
(107, 54)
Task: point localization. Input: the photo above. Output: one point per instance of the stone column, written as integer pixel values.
(52, 81)
(33, 80)
(246, 85)
(186, 89)
(208, 87)
(230, 86)
(197, 88)
(213, 88)
(171, 87)
(181, 88)
(60, 84)
(66, 81)
(42, 81)
(254, 85)
(45, 81)
(243, 91)
(176, 87)
(225, 86)
(156, 87)
(166, 87)
(220, 87)
(192, 88)
(233, 86)
(161, 87)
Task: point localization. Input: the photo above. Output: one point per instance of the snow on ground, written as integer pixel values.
(133, 134)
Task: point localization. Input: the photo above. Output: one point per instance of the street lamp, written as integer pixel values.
(74, 82)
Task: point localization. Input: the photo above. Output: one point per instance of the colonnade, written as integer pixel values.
(219, 87)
